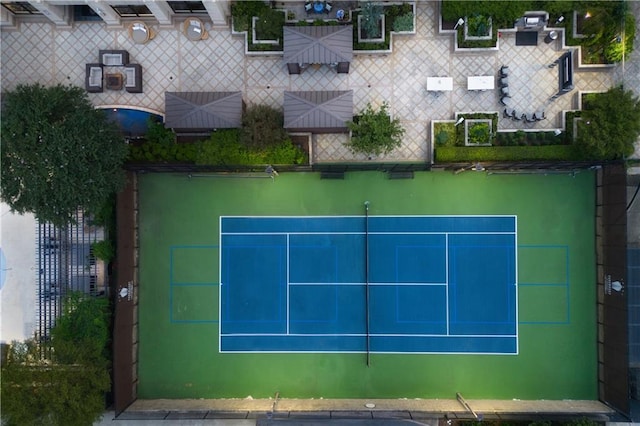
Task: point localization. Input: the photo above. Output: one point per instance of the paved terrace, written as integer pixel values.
(39, 52)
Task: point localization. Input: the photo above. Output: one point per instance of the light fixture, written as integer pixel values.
(477, 167)
(587, 15)
(460, 22)
(460, 120)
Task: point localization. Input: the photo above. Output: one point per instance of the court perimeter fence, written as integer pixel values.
(613, 371)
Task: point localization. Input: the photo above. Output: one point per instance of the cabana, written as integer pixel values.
(197, 112)
(326, 111)
(329, 45)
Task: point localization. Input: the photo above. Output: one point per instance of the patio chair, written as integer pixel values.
(504, 71)
(503, 100)
(504, 81)
(539, 115)
(508, 112)
(308, 6)
(516, 116)
(133, 78)
(93, 78)
(530, 117)
(505, 91)
(328, 6)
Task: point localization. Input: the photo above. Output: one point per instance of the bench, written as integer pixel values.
(401, 175)
(332, 175)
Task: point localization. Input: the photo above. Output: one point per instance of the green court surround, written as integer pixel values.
(178, 294)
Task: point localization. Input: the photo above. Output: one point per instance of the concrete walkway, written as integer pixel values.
(38, 52)
(242, 412)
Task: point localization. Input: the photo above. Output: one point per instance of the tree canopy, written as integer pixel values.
(609, 125)
(58, 153)
(62, 381)
(374, 132)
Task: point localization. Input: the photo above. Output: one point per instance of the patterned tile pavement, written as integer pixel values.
(39, 52)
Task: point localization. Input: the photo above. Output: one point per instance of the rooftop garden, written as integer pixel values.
(373, 24)
(604, 29)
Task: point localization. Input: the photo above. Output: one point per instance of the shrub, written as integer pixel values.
(403, 22)
(269, 25)
(103, 250)
(81, 334)
(445, 134)
(262, 127)
(504, 153)
(373, 132)
(243, 11)
(371, 14)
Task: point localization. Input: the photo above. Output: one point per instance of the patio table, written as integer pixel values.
(139, 32)
(480, 82)
(194, 29)
(439, 84)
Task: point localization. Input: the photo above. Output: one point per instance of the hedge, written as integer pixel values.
(454, 154)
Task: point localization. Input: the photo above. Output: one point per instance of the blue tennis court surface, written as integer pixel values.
(436, 284)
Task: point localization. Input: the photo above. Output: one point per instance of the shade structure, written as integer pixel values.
(199, 111)
(326, 111)
(318, 45)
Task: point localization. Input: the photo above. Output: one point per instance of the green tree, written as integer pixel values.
(610, 125)
(68, 388)
(374, 132)
(262, 126)
(58, 153)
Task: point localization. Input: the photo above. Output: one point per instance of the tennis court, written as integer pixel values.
(473, 283)
(394, 284)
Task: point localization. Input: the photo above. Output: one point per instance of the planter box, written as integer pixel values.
(469, 123)
(255, 39)
(371, 40)
(489, 36)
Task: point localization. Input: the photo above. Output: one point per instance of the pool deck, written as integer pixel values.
(38, 52)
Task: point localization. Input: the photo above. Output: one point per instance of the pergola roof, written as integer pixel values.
(318, 45)
(203, 110)
(322, 111)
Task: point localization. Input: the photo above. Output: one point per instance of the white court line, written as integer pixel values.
(372, 284)
(288, 284)
(479, 336)
(361, 215)
(372, 233)
(446, 262)
(515, 255)
(220, 266)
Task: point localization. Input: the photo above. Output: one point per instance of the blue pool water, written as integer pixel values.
(132, 122)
